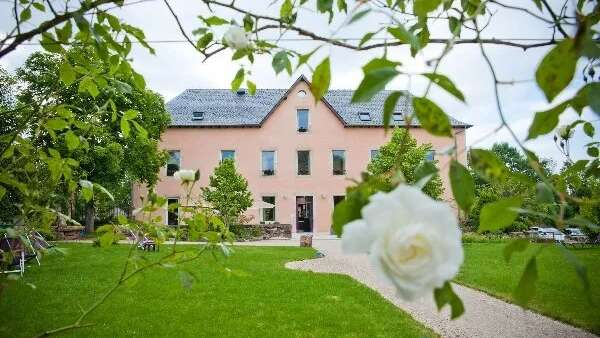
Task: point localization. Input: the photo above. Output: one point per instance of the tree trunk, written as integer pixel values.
(90, 215)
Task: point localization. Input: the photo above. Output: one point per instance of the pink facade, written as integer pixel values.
(200, 148)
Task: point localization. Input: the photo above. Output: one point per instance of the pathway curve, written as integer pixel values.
(485, 316)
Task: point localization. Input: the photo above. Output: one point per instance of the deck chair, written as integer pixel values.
(16, 253)
(142, 241)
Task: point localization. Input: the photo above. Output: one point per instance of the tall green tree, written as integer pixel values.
(228, 191)
(403, 154)
(112, 157)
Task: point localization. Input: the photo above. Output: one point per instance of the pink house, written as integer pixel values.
(296, 154)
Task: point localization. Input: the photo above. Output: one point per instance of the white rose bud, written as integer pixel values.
(186, 176)
(412, 240)
(236, 38)
(565, 132)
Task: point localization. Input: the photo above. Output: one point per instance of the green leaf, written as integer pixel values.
(57, 124)
(237, 80)
(580, 270)
(251, 87)
(517, 245)
(87, 190)
(500, 214)
(545, 121)
(130, 114)
(379, 63)
(39, 6)
(593, 151)
(422, 7)
(321, 79)
(67, 73)
(324, 5)
(138, 81)
(389, 106)
(286, 9)
(594, 97)
(365, 38)
(588, 129)
(543, 193)
(248, 22)
(2, 192)
(125, 128)
(525, 290)
(88, 85)
(204, 40)
(214, 21)
(187, 279)
(359, 15)
(425, 170)
(431, 117)
(25, 15)
(463, 185)
(373, 82)
(49, 44)
(445, 83)
(455, 26)
(445, 295)
(557, 68)
(405, 36)
(281, 62)
(342, 6)
(487, 164)
(72, 140)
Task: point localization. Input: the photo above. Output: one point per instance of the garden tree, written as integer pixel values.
(517, 185)
(227, 191)
(108, 158)
(402, 155)
(571, 40)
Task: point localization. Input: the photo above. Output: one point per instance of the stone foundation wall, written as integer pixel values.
(255, 232)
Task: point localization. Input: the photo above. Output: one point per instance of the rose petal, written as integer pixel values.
(357, 237)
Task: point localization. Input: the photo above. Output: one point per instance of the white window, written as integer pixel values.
(227, 155)
(374, 153)
(173, 163)
(268, 162)
(268, 214)
(173, 211)
(339, 162)
(430, 155)
(303, 162)
(197, 116)
(302, 120)
(364, 116)
(397, 117)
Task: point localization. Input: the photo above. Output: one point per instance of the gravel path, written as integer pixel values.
(485, 316)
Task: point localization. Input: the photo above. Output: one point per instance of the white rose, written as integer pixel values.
(185, 176)
(412, 240)
(236, 38)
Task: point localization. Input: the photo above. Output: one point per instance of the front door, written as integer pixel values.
(304, 213)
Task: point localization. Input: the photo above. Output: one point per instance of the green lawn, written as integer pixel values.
(559, 292)
(256, 297)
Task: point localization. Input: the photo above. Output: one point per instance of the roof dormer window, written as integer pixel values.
(197, 116)
(364, 116)
(398, 117)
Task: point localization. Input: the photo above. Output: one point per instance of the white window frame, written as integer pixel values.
(262, 219)
(167, 165)
(221, 154)
(309, 162)
(167, 211)
(345, 162)
(371, 154)
(274, 163)
(298, 120)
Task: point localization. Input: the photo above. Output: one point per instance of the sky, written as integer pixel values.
(177, 66)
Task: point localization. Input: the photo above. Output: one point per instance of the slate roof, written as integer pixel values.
(224, 108)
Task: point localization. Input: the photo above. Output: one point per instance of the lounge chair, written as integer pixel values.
(16, 253)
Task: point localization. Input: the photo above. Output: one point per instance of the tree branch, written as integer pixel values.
(47, 25)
